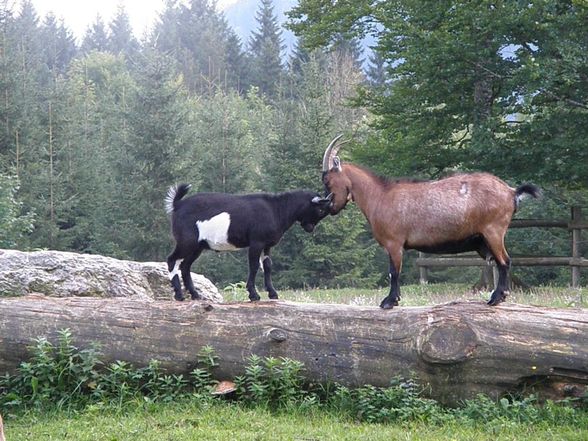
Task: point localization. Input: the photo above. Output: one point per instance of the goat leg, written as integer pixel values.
(173, 265)
(253, 254)
(187, 276)
(266, 265)
(501, 291)
(394, 296)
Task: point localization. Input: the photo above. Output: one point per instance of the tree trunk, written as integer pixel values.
(1, 430)
(458, 349)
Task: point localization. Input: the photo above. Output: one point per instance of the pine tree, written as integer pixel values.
(94, 142)
(237, 62)
(14, 224)
(266, 46)
(198, 37)
(349, 48)
(300, 56)
(376, 71)
(120, 38)
(306, 124)
(59, 46)
(96, 38)
(160, 138)
(25, 133)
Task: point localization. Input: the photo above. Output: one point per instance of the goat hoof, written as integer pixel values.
(179, 298)
(196, 297)
(388, 304)
(497, 298)
(273, 295)
(254, 298)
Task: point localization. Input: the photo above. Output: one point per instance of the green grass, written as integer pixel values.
(189, 420)
(435, 294)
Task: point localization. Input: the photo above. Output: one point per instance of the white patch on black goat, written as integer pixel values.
(176, 270)
(262, 257)
(215, 231)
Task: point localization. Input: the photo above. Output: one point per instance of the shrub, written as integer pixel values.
(401, 401)
(272, 382)
(58, 374)
(62, 375)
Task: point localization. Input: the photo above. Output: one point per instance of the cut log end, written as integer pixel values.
(447, 342)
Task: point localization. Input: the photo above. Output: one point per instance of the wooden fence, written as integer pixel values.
(576, 224)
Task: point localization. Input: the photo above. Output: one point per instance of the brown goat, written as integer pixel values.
(464, 212)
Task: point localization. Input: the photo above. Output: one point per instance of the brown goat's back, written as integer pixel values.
(453, 208)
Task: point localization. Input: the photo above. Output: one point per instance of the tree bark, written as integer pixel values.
(457, 350)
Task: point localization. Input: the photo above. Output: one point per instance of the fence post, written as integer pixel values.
(576, 233)
(423, 273)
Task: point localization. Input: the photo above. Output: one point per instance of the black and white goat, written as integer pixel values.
(226, 222)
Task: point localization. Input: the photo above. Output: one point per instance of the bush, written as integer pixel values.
(59, 374)
(402, 401)
(63, 375)
(272, 382)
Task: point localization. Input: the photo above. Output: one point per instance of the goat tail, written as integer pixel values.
(174, 194)
(524, 190)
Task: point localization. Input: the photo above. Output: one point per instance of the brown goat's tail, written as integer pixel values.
(174, 194)
(523, 190)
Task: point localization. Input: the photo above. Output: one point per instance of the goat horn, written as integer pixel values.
(328, 156)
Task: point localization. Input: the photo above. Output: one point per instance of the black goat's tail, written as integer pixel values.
(174, 194)
(523, 190)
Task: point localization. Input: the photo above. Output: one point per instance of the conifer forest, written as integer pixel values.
(93, 131)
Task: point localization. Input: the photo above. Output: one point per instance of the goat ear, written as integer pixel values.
(337, 163)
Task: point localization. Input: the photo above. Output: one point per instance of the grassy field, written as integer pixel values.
(189, 420)
(435, 294)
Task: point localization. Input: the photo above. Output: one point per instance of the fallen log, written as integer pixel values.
(458, 349)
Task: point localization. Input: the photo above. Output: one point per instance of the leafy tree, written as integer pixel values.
(474, 85)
